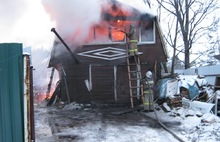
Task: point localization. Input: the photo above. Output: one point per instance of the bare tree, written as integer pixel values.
(192, 25)
(174, 44)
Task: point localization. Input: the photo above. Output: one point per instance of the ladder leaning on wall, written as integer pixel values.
(134, 76)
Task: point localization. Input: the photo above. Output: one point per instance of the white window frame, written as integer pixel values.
(154, 36)
(116, 41)
(107, 42)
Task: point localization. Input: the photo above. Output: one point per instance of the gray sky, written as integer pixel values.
(26, 22)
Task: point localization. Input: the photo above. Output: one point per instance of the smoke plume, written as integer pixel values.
(73, 18)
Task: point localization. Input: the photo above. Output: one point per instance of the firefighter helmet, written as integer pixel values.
(149, 74)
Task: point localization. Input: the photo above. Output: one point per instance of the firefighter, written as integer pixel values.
(148, 92)
(132, 41)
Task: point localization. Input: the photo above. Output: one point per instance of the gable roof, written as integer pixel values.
(140, 5)
(121, 10)
(161, 37)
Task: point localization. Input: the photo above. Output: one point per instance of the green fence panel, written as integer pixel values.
(11, 93)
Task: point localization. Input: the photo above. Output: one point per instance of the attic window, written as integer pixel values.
(147, 32)
(117, 36)
(105, 33)
(116, 31)
(101, 34)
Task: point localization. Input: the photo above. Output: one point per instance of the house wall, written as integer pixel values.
(107, 75)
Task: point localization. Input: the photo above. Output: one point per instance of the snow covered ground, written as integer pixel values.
(42, 129)
(75, 122)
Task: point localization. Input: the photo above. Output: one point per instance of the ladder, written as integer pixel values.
(134, 76)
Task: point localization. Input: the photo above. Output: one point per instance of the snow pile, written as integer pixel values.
(195, 126)
(205, 128)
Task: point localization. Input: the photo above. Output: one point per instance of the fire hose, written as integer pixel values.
(167, 129)
(160, 123)
(67, 47)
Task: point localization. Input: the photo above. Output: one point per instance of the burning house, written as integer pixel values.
(95, 68)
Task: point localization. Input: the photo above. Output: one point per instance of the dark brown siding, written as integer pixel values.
(75, 76)
(103, 84)
(105, 77)
(122, 84)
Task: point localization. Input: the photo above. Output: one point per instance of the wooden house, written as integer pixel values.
(100, 73)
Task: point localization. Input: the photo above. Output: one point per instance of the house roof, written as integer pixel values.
(127, 10)
(141, 6)
(161, 37)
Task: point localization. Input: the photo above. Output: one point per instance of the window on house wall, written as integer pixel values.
(101, 34)
(116, 31)
(117, 36)
(107, 33)
(147, 32)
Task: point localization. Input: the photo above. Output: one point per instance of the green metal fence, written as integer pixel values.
(11, 93)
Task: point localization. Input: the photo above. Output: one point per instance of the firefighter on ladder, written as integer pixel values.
(148, 92)
(132, 41)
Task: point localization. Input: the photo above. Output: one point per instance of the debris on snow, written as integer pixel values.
(188, 116)
(203, 107)
(73, 106)
(165, 107)
(210, 118)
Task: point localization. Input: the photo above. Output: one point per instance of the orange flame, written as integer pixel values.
(117, 35)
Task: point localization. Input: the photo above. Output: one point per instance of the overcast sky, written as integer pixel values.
(25, 21)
